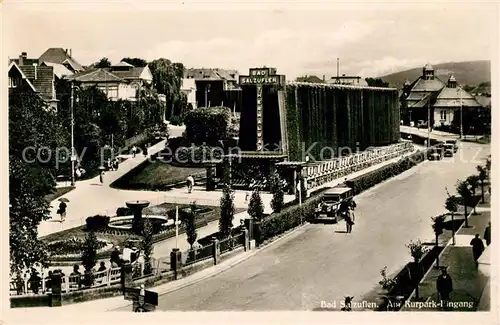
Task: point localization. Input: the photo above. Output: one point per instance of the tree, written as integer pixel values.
(417, 251)
(136, 62)
(89, 253)
(255, 206)
(226, 211)
(147, 245)
(189, 222)
(167, 80)
(31, 126)
(464, 192)
(376, 82)
(103, 63)
(473, 182)
(438, 227)
(451, 205)
(277, 192)
(482, 176)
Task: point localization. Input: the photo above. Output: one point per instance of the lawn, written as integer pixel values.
(158, 175)
(60, 191)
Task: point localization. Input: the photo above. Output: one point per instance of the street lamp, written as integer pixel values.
(73, 154)
(207, 90)
(461, 114)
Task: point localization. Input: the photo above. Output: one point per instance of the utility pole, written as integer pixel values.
(72, 137)
(429, 122)
(461, 115)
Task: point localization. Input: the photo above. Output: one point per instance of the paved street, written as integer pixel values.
(321, 263)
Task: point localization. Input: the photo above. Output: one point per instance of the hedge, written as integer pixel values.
(97, 222)
(366, 181)
(290, 217)
(208, 125)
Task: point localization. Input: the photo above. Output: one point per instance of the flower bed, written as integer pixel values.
(71, 249)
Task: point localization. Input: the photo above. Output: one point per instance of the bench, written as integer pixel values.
(100, 277)
(114, 275)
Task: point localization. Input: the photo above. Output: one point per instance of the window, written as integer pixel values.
(443, 115)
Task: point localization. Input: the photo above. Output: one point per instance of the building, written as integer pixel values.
(119, 82)
(60, 56)
(40, 79)
(429, 96)
(347, 80)
(213, 87)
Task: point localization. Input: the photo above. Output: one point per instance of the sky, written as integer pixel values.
(370, 39)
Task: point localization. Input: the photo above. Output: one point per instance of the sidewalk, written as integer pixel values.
(469, 282)
(440, 135)
(90, 197)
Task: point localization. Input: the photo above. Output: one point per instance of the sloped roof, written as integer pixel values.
(59, 69)
(14, 65)
(27, 61)
(44, 79)
(96, 75)
(428, 67)
(452, 97)
(484, 100)
(201, 74)
(428, 85)
(59, 55)
(422, 103)
(132, 73)
(122, 64)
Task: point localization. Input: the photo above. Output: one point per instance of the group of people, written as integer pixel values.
(129, 254)
(444, 283)
(112, 164)
(135, 150)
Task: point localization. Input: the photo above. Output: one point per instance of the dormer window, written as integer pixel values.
(452, 82)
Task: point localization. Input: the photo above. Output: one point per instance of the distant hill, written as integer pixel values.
(470, 73)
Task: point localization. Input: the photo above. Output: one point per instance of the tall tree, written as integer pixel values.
(136, 62)
(276, 188)
(103, 63)
(483, 176)
(226, 211)
(255, 206)
(465, 193)
(189, 220)
(167, 80)
(31, 175)
(147, 245)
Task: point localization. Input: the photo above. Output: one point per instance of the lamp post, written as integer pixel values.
(429, 122)
(461, 115)
(207, 90)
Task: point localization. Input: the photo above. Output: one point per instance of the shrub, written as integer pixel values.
(97, 223)
(70, 246)
(386, 283)
(89, 254)
(189, 223)
(176, 120)
(366, 181)
(208, 125)
(226, 211)
(147, 245)
(255, 206)
(124, 211)
(277, 192)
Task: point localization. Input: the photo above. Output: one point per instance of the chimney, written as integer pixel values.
(22, 57)
(70, 53)
(324, 78)
(36, 72)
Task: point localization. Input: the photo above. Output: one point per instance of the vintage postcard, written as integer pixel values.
(291, 162)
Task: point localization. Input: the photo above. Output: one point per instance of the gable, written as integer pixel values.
(146, 74)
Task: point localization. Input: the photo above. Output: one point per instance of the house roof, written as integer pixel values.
(422, 84)
(484, 100)
(43, 82)
(455, 97)
(421, 103)
(207, 74)
(428, 67)
(13, 64)
(122, 64)
(59, 55)
(59, 69)
(27, 61)
(132, 73)
(96, 75)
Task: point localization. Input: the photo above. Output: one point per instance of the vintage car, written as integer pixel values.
(454, 144)
(448, 150)
(332, 198)
(435, 153)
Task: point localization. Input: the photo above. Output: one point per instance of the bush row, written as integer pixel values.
(97, 223)
(366, 181)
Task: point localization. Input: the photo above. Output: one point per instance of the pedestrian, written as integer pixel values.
(349, 221)
(246, 196)
(145, 151)
(444, 286)
(477, 247)
(487, 234)
(34, 281)
(62, 210)
(101, 176)
(190, 183)
(134, 151)
(102, 267)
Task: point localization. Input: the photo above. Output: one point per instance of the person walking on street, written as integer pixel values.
(190, 183)
(444, 286)
(134, 151)
(62, 210)
(477, 247)
(487, 234)
(101, 177)
(349, 221)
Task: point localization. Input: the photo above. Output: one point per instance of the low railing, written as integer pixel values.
(198, 254)
(231, 243)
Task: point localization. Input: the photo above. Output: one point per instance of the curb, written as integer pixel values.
(223, 269)
(444, 248)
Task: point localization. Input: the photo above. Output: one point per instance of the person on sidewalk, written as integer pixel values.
(190, 183)
(62, 210)
(101, 176)
(477, 247)
(444, 286)
(487, 234)
(134, 151)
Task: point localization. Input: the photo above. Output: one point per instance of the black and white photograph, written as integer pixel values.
(250, 157)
